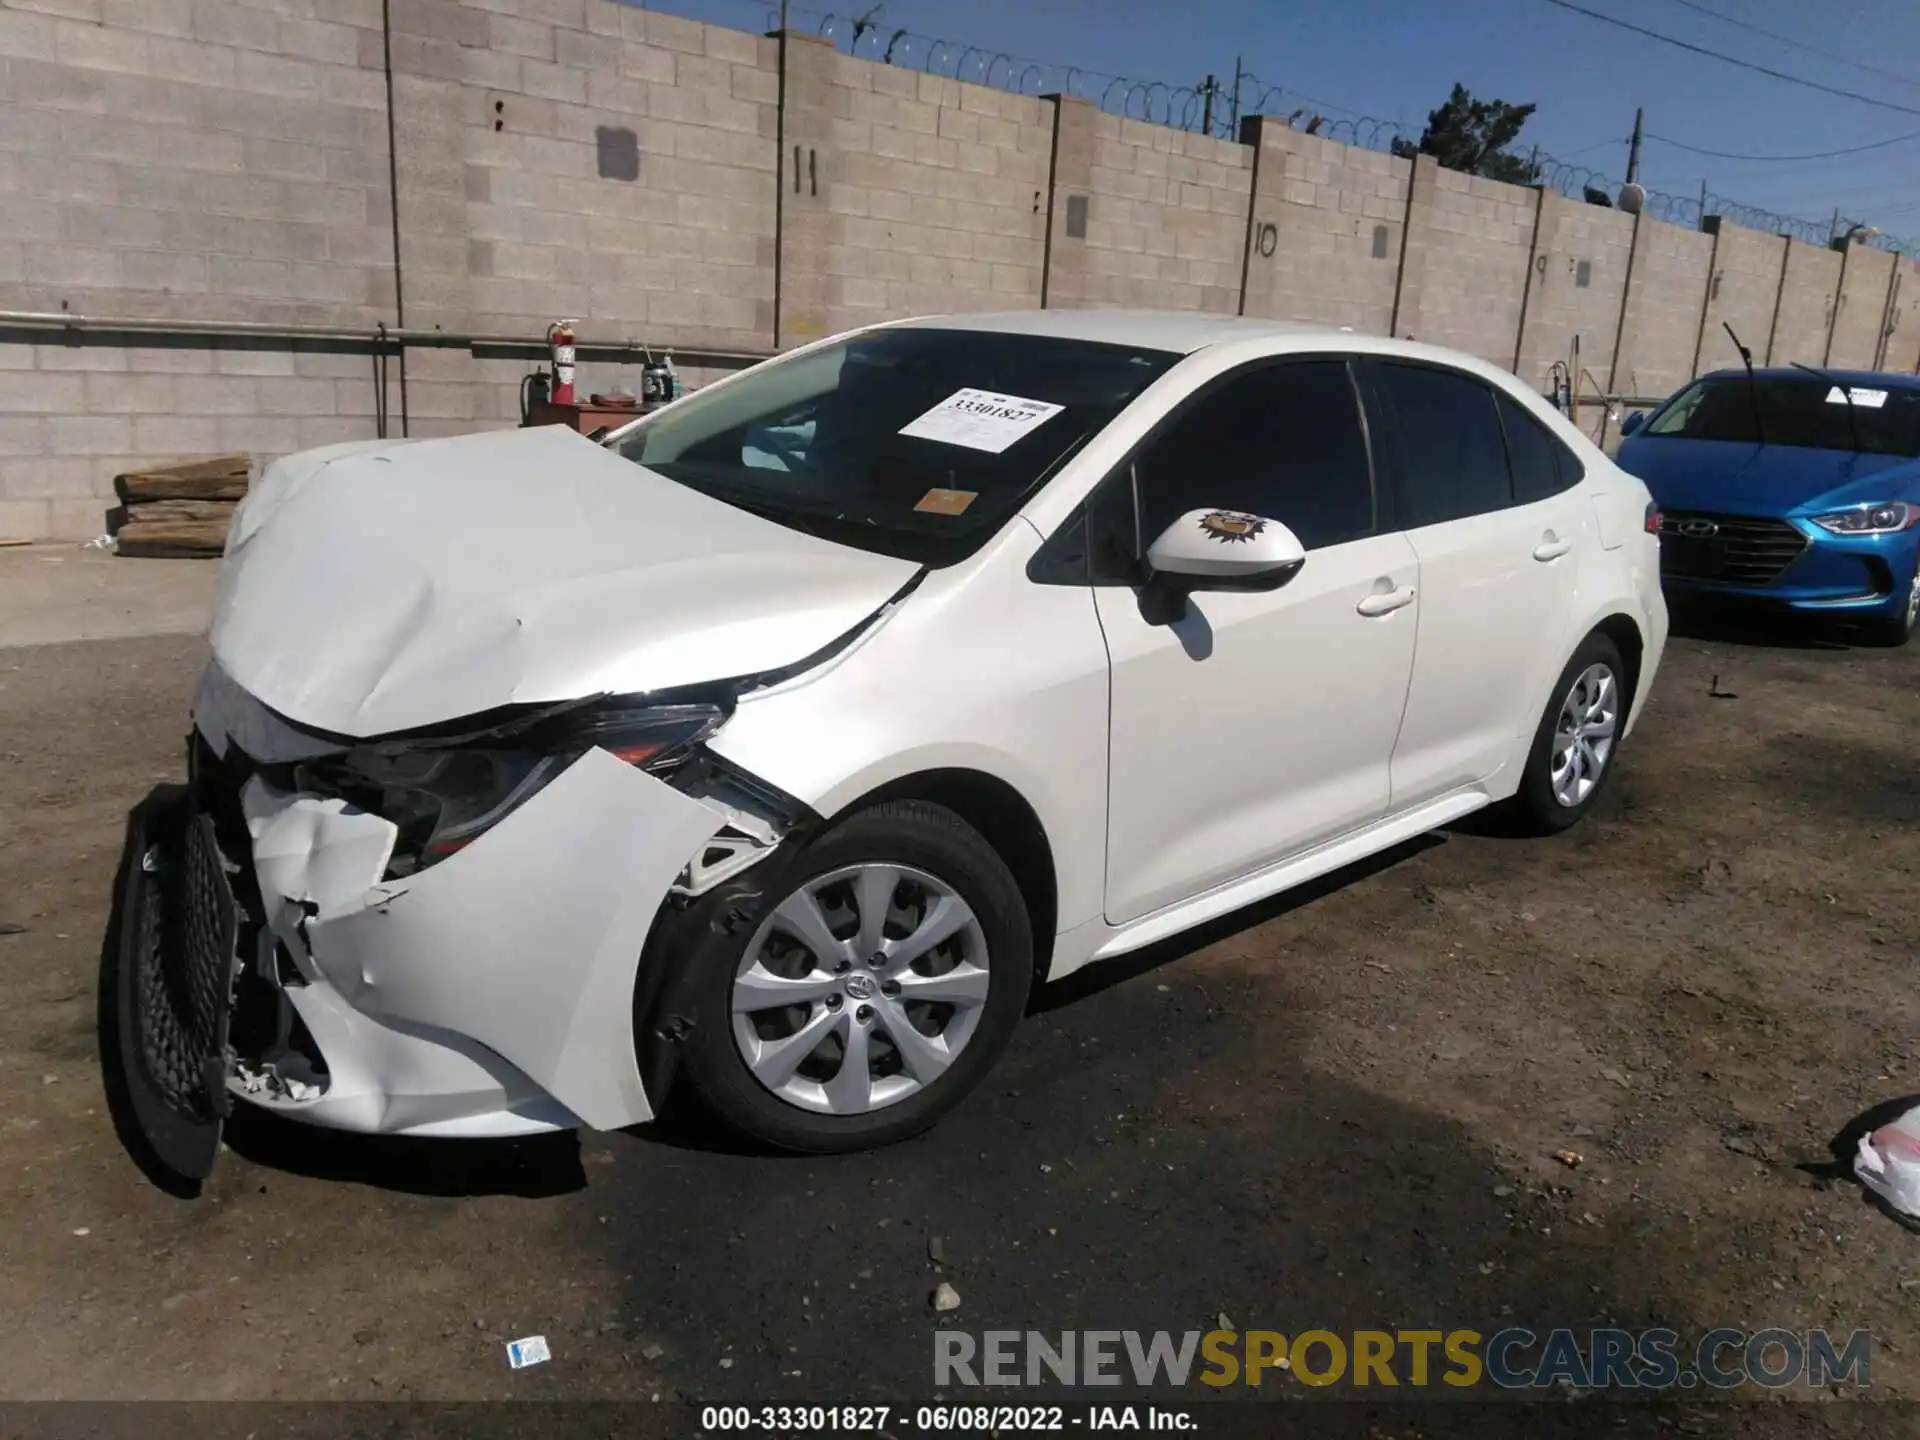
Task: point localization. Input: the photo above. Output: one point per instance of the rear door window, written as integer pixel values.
(1452, 449)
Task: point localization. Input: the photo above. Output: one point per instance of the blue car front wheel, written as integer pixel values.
(1897, 628)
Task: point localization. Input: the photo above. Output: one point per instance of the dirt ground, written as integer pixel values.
(1338, 1111)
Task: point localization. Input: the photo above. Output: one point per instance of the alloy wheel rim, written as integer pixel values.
(1584, 734)
(860, 989)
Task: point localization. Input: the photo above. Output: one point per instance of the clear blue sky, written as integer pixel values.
(1395, 59)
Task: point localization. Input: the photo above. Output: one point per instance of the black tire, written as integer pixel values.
(912, 833)
(1890, 631)
(1534, 808)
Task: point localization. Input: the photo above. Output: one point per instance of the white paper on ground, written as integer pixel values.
(530, 1351)
(981, 420)
(1865, 399)
(1888, 1163)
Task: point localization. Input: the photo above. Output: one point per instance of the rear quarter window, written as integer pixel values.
(1541, 462)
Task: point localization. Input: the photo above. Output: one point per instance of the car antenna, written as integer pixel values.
(1846, 394)
(1753, 390)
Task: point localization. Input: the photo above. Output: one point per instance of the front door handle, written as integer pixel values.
(1551, 549)
(1386, 602)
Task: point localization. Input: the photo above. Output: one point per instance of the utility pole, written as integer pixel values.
(1207, 92)
(1234, 103)
(783, 15)
(1703, 202)
(1633, 151)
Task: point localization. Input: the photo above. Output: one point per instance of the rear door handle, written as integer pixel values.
(1551, 549)
(1386, 602)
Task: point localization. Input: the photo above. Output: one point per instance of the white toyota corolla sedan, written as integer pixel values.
(782, 742)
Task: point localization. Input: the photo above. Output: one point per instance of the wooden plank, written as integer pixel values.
(220, 465)
(223, 478)
(157, 538)
(134, 489)
(144, 511)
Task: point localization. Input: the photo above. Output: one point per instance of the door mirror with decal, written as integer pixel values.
(1226, 550)
(1218, 550)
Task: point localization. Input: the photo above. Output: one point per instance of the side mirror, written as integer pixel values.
(1220, 550)
(1632, 423)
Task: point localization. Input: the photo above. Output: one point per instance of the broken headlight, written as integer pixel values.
(444, 798)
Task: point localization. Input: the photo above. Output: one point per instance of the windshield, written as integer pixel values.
(1809, 413)
(918, 443)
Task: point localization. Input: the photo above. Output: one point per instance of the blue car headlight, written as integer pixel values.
(1886, 518)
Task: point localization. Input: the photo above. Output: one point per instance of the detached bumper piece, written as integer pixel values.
(177, 928)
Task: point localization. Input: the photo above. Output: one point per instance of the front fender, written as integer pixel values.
(980, 669)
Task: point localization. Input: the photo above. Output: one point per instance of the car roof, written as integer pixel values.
(1186, 333)
(1182, 332)
(1870, 379)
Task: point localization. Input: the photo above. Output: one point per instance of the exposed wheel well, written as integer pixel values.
(1626, 637)
(1002, 815)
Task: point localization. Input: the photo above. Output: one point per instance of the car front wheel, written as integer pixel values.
(1577, 739)
(882, 975)
(1897, 629)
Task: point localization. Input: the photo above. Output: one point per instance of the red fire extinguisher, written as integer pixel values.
(560, 339)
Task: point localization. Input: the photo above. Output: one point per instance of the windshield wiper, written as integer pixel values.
(807, 519)
(1753, 390)
(1846, 393)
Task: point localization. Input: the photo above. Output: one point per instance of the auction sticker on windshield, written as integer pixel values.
(1872, 399)
(981, 420)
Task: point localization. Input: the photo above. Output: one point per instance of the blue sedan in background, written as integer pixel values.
(1791, 489)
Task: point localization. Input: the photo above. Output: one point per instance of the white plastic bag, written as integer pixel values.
(1888, 1163)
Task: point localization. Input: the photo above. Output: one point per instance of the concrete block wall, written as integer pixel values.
(1469, 246)
(1742, 292)
(229, 161)
(1861, 311)
(1900, 347)
(221, 157)
(1803, 319)
(1325, 236)
(1166, 218)
(213, 159)
(683, 252)
(1577, 286)
(913, 193)
(1660, 326)
(507, 222)
(74, 414)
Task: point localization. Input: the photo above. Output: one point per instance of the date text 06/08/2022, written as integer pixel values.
(932, 1419)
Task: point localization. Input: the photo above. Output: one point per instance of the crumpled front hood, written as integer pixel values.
(376, 587)
(1744, 479)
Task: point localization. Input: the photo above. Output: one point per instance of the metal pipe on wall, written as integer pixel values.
(376, 337)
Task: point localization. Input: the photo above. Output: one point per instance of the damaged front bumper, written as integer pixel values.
(491, 993)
